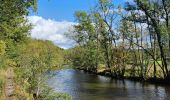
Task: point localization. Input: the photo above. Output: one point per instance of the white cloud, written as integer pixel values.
(48, 29)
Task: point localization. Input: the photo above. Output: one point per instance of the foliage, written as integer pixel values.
(34, 60)
(30, 59)
(129, 42)
(14, 28)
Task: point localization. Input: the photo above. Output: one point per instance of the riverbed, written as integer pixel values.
(85, 86)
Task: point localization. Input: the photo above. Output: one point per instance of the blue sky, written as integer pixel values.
(64, 9)
(54, 18)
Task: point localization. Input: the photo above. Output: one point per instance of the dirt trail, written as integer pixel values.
(9, 84)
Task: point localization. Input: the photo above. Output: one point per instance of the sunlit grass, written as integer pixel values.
(148, 66)
(3, 74)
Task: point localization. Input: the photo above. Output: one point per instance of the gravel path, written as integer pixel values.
(9, 85)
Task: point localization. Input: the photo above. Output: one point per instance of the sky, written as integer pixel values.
(54, 18)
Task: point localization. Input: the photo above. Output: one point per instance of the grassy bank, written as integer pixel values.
(103, 71)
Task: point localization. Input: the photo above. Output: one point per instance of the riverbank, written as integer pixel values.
(157, 81)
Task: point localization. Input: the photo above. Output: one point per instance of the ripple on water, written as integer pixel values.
(83, 86)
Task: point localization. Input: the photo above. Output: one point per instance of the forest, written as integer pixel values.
(122, 42)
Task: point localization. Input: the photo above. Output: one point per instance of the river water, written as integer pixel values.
(84, 86)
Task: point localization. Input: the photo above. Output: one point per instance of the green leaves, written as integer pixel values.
(31, 4)
(2, 48)
(13, 24)
(34, 61)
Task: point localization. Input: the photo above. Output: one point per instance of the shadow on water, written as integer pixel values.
(84, 86)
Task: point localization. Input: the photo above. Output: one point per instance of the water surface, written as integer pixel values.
(84, 86)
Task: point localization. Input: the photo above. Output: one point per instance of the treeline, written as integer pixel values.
(130, 41)
(29, 59)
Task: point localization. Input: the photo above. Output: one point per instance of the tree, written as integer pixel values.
(153, 14)
(34, 61)
(85, 35)
(13, 24)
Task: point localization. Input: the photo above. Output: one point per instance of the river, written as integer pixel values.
(84, 86)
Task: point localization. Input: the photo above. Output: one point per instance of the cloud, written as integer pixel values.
(48, 29)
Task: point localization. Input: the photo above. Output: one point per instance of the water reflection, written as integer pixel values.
(83, 86)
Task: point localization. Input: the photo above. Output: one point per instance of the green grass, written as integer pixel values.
(150, 69)
(2, 82)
